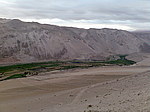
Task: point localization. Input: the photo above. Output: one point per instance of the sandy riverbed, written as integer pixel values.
(103, 89)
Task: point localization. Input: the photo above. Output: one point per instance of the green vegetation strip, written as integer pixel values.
(14, 76)
(120, 62)
(55, 65)
(26, 66)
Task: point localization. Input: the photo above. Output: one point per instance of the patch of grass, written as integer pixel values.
(19, 66)
(69, 67)
(15, 76)
(27, 66)
(51, 65)
(44, 66)
(121, 62)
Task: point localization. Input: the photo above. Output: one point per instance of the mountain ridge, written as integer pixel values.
(30, 41)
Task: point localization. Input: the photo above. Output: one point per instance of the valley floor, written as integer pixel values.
(103, 89)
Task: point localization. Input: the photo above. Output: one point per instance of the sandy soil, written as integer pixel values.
(145, 62)
(103, 89)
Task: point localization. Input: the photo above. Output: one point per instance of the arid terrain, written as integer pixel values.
(74, 56)
(98, 89)
(51, 85)
(30, 42)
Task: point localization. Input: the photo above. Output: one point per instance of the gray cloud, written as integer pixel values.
(128, 12)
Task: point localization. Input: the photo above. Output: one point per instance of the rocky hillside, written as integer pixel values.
(26, 41)
(145, 37)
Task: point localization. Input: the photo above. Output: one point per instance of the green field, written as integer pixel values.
(24, 70)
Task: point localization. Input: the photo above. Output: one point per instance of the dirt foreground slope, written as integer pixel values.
(104, 89)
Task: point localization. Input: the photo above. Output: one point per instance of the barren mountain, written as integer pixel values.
(30, 41)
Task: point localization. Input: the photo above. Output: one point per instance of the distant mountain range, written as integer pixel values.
(31, 41)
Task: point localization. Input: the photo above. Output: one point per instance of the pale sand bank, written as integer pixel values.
(104, 88)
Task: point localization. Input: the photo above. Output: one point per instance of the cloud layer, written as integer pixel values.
(125, 14)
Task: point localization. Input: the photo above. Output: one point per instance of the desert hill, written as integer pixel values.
(30, 41)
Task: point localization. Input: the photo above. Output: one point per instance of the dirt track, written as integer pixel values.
(103, 89)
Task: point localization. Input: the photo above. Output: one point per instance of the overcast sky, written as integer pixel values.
(120, 14)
